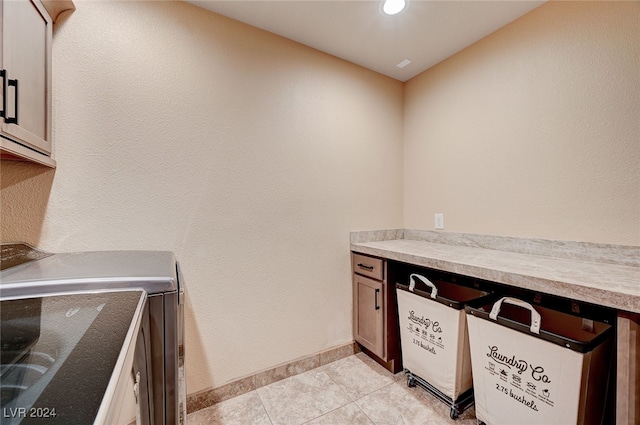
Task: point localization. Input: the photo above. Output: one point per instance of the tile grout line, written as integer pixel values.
(324, 414)
(352, 400)
(341, 389)
(316, 370)
(321, 369)
(355, 400)
(263, 406)
(364, 413)
(367, 395)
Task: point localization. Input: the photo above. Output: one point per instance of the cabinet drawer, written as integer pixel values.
(368, 266)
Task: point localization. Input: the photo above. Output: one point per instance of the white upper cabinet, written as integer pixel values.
(27, 30)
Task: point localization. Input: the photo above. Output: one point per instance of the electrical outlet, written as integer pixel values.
(439, 221)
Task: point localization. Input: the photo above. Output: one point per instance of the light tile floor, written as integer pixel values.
(355, 390)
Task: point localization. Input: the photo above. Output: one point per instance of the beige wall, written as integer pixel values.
(250, 156)
(533, 131)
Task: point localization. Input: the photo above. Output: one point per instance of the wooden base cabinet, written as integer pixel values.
(375, 321)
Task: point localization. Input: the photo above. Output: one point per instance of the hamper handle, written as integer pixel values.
(535, 316)
(412, 284)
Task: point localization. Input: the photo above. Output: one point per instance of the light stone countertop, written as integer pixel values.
(601, 283)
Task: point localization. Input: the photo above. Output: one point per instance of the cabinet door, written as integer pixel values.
(26, 58)
(369, 314)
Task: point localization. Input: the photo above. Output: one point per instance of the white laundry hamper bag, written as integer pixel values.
(537, 366)
(434, 340)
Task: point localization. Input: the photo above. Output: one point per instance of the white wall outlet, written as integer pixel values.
(439, 221)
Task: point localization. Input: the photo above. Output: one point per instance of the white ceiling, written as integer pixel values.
(426, 32)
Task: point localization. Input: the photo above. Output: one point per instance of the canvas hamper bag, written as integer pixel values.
(433, 337)
(533, 365)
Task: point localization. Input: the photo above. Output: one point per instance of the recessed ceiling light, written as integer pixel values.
(403, 63)
(392, 7)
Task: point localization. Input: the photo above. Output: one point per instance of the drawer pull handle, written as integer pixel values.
(364, 266)
(13, 120)
(377, 306)
(3, 74)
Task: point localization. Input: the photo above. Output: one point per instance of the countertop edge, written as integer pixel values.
(600, 296)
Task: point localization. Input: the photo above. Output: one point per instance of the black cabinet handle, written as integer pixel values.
(364, 266)
(3, 74)
(377, 306)
(13, 120)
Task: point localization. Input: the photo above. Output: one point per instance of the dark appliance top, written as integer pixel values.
(59, 354)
